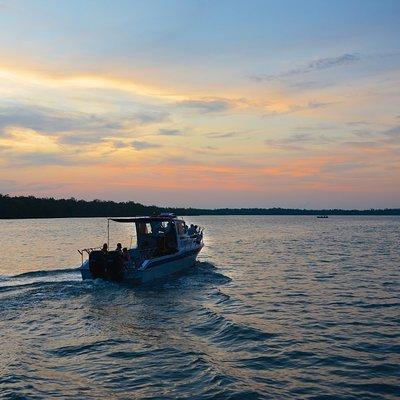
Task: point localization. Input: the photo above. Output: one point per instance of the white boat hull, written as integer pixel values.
(162, 268)
(156, 268)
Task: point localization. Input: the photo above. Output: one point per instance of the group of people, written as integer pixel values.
(123, 252)
(192, 230)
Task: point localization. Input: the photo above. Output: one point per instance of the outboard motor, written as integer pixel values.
(97, 264)
(115, 264)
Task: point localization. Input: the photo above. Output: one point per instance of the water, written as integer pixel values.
(277, 307)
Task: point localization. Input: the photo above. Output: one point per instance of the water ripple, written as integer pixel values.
(277, 307)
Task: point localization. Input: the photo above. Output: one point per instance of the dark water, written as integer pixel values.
(277, 307)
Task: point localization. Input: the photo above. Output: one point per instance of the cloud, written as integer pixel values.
(358, 123)
(74, 128)
(56, 122)
(388, 136)
(222, 135)
(313, 66)
(298, 142)
(39, 118)
(118, 144)
(140, 145)
(395, 131)
(41, 159)
(325, 63)
(208, 105)
(61, 79)
(81, 139)
(343, 166)
(304, 85)
(170, 132)
(361, 145)
(392, 135)
(311, 105)
(50, 120)
(178, 161)
(362, 133)
(146, 118)
(320, 126)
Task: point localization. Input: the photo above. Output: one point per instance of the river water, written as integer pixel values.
(276, 308)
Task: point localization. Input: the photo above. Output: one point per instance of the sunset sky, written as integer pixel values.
(202, 103)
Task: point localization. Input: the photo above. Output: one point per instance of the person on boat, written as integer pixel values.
(119, 248)
(170, 238)
(126, 257)
(104, 248)
(191, 230)
(125, 254)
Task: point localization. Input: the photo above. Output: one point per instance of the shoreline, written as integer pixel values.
(208, 215)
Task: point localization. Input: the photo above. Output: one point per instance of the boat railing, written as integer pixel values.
(87, 251)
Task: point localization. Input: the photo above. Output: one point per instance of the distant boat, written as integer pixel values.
(322, 216)
(165, 246)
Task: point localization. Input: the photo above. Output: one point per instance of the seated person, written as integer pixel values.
(104, 248)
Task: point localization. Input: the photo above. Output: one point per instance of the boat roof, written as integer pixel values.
(145, 219)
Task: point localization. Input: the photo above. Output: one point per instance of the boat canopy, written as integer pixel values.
(144, 219)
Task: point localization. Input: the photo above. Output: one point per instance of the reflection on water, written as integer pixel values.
(277, 307)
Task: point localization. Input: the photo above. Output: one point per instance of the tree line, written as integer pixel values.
(34, 207)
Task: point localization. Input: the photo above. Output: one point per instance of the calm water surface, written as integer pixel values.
(277, 307)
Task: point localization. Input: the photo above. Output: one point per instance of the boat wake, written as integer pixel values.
(208, 273)
(41, 273)
(204, 274)
(38, 278)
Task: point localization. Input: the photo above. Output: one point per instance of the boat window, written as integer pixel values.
(143, 228)
(159, 227)
(145, 239)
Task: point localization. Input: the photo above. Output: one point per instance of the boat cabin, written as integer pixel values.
(159, 235)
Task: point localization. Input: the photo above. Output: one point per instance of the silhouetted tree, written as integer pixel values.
(33, 207)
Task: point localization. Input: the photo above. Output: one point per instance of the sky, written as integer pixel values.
(202, 103)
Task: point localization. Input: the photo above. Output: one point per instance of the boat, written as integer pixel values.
(165, 246)
(322, 216)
